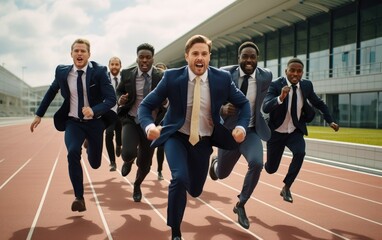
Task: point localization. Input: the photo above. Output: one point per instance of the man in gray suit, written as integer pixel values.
(254, 82)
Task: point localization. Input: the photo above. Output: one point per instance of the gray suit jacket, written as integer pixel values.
(263, 80)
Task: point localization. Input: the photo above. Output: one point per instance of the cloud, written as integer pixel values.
(38, 34)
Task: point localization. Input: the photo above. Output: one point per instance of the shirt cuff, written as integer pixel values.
(149, 127)
(241, 127)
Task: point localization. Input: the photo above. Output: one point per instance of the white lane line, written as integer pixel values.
(331, 176)
(327, 206)
(205, 203)
(287, 213)
(13, 175)
(143, 197)
(337, 191)
(229, 219)
(36, 217)
(345, 166)
(108, 233)
(341, 178)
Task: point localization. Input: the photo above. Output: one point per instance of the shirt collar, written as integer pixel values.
(112, 76)
(290, 84)
(192, 75)
(242, 73)
(149, 72)
(83, 69)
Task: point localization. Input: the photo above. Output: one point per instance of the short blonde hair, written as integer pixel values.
(81, 41)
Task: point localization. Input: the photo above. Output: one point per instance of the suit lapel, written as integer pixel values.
(89, 73)
(183, 88)
(64, 80)
(235, 77)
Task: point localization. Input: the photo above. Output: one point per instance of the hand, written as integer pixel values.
(87, 112)
(335, 126)
(238, 134)
(229, 109)
(35, 123)
(154, 133)
(123, 99)
(284, 93)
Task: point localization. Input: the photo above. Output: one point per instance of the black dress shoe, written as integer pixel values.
(212, 173)
(241, 216)
(118, 150)
(113, 166)
(286, 194)
(78, 205)
(126, 168)
(137, 194)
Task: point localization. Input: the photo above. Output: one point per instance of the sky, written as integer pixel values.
(36, 35)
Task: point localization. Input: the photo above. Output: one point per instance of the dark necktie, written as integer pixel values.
(293, 108)
(244, 85)
(115, 82)
(80, 93)
(146, 87)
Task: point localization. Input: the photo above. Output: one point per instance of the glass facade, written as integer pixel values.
(341, 44)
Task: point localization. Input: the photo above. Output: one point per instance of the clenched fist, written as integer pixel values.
(238, 134)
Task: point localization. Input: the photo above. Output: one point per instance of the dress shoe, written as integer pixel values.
(78, 205)
(118, 150)
(286, 194)
(212, 173)
(113, 166)
(126, 168)
(137, 194)
(160, 176)
(241, 216)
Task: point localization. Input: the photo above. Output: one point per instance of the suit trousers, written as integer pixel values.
(189, 169)
(136, 145)
(75, 134)
(275, 148)
(109, 135)
(252, 150)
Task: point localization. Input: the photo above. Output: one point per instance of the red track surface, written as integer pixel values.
(36, 195)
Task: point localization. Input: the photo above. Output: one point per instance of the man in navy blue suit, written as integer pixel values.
(85, 113)
(188, 157)
(254, 82)
(288, 118)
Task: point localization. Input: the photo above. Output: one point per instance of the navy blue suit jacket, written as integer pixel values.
(101, 94)
(263, 80)
(173, 86)
(277, 112)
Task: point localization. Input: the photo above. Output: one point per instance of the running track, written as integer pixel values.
(36, 195)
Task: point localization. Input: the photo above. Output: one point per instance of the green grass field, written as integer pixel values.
(352, 135)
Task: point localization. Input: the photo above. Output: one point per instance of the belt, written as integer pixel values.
(80, 120)
(188, 136)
